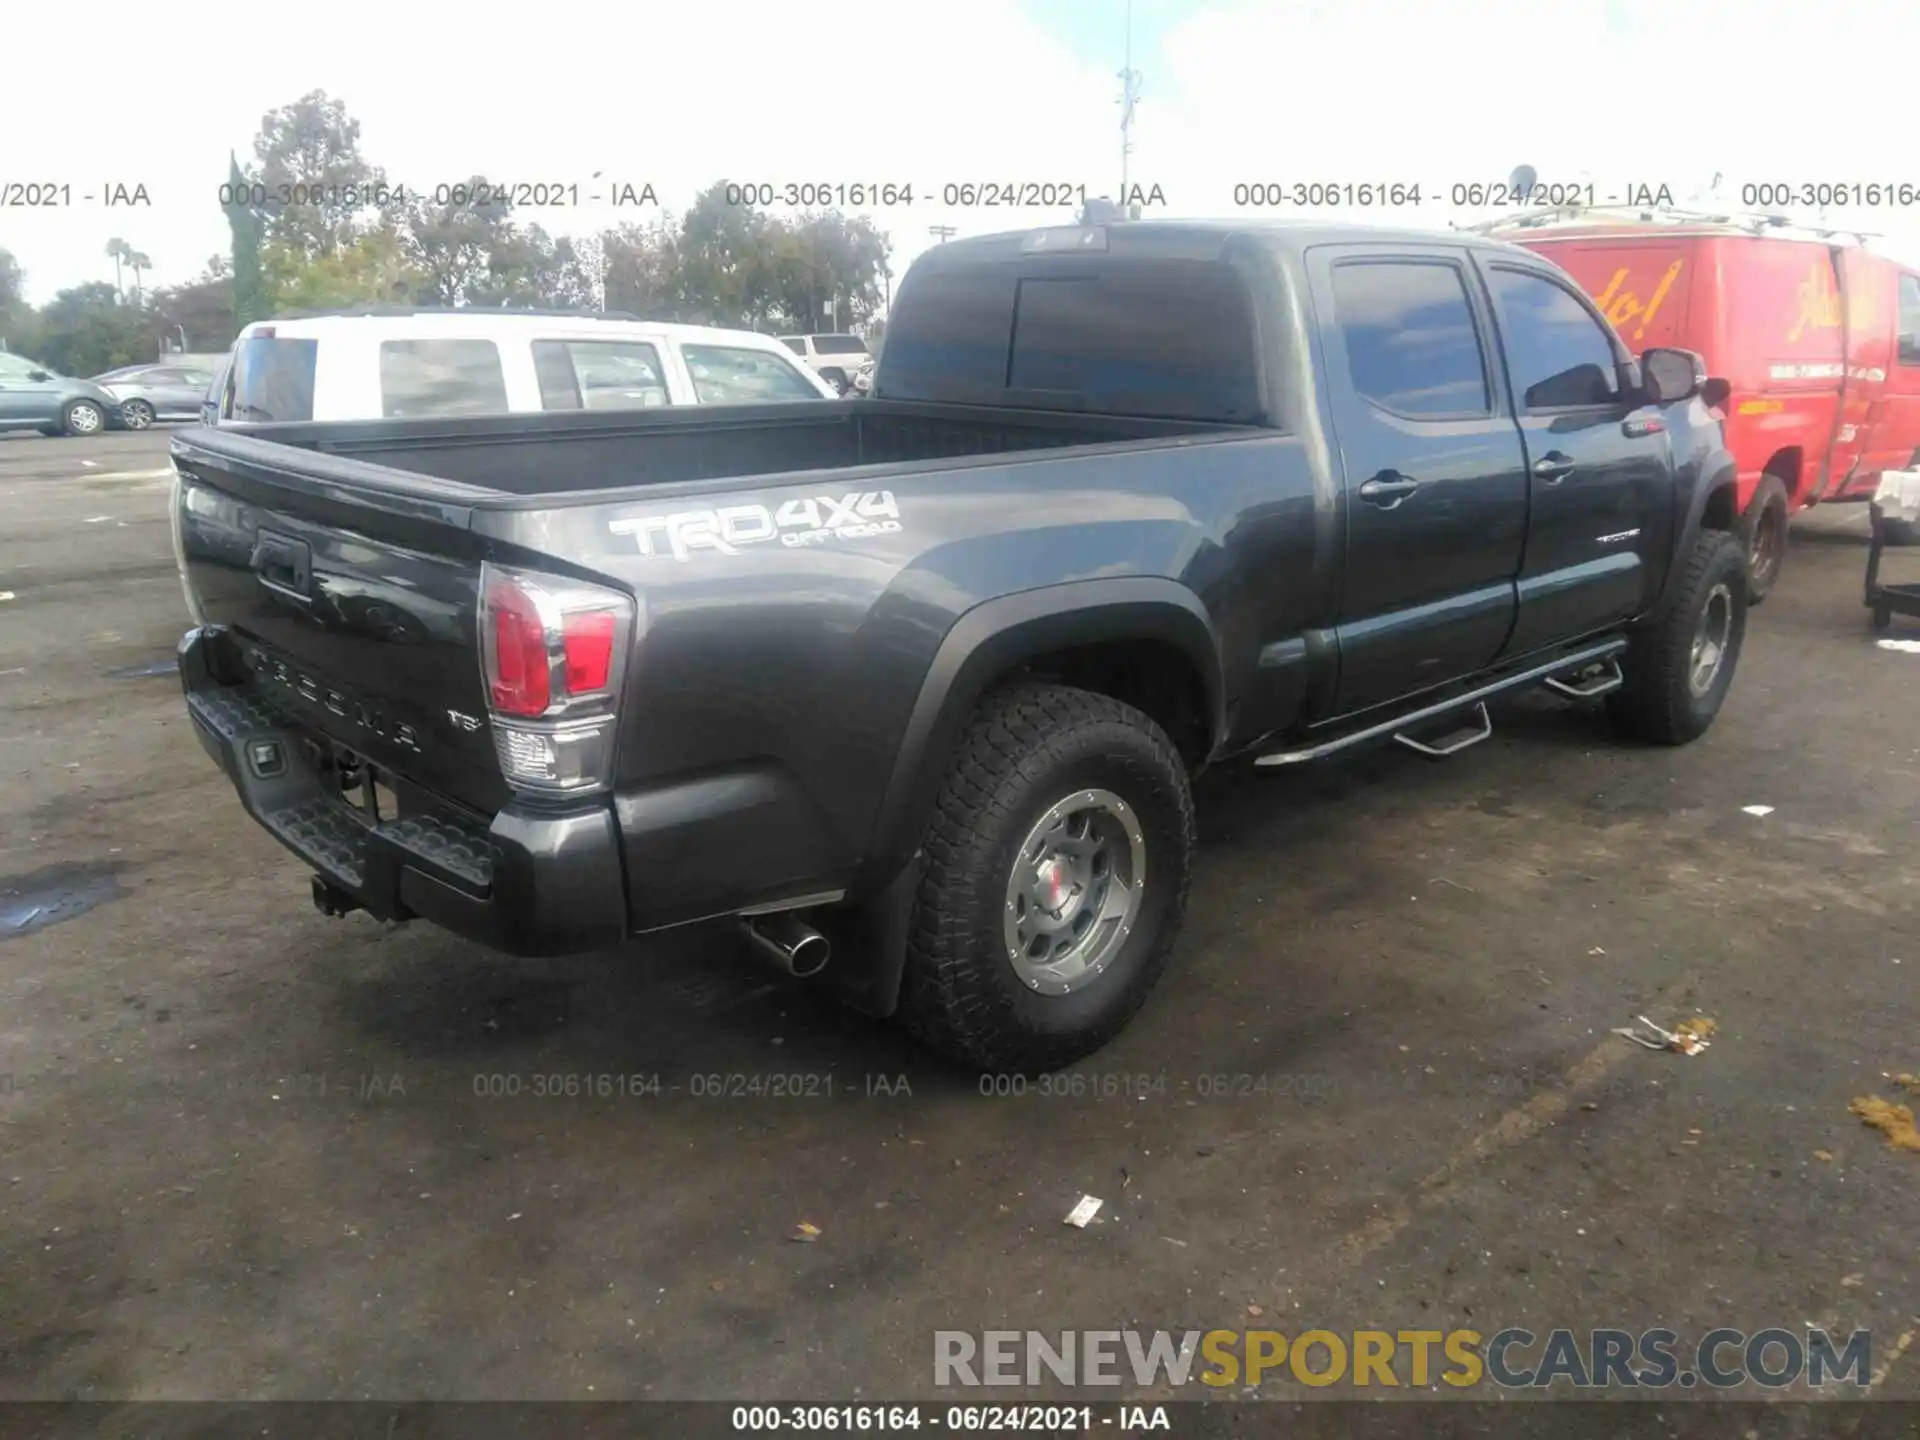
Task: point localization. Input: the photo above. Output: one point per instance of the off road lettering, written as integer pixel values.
(808, 520)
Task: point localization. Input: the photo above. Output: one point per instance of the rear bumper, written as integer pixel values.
(530, 882)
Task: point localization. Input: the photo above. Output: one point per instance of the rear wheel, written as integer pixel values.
(835, 377)
(1057, 863)
(136, 414)
(1763, 530)
(83, 417)
(1681, 660)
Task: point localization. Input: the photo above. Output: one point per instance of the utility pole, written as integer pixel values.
(1129, 96)
(942, 233)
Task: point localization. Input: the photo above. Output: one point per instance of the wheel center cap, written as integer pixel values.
(1053, 885)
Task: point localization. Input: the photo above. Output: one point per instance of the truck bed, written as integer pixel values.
(575, 451)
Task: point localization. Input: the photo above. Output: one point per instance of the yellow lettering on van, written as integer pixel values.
(1622, 306)
(1819, 302)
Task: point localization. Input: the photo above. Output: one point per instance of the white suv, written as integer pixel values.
(836, 359)
(401, 363)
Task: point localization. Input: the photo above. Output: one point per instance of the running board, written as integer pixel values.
(1479, 728)
(1391, 729)
(1606, 676)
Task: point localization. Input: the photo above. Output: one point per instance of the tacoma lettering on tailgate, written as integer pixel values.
(811, 521)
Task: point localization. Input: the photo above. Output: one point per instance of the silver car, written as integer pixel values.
(156, 392)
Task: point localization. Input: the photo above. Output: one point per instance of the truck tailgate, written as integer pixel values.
(355, 616)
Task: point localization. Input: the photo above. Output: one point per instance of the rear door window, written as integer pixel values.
(729, 375)
(839, 345)
(271, 378)
(599, 375)
(441, 377)
(1412, 346)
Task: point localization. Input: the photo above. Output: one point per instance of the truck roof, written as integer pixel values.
(1190, 239)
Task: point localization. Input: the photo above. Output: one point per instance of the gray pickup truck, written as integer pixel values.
(913, 690)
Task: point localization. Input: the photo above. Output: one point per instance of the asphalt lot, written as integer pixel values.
(247, 1151)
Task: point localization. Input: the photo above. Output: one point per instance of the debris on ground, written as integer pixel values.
(1825, 1157)
(1911, 647)
(805, 1233)
(1908, 1082)
(1757, 811)
(1088, 1207)
(1893, 1121)
(1689, 1038)
(1255, 1311)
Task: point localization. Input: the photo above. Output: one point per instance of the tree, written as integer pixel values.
(117, 251)
(452, 246)
(725, 262)
(825, 259)
(371, 269)
(88, 329)
(246, 225)
(309, 151)
(16, 316)
(137, 262)
(642, 268)
(201, 310)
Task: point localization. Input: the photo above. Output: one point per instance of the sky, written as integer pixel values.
(934, 93)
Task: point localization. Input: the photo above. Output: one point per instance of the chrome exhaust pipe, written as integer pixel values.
(790, 943)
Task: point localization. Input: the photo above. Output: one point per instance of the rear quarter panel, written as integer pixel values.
(773, 682)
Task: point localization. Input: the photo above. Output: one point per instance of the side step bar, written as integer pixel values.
(1597, 680)
(1607, 651)
(1465, 738)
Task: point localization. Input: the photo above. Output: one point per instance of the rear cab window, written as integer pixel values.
(737, 375)
(599, 375)
(1150, 337)
(270, 378)
(441, 377)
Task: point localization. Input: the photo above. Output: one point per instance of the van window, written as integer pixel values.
(794, 343)
(598, 374)
(441, 377)
(1909, 327)
(1412, 346)
(725, 375)
(271, 378)
(1558, 357)
(839, 345)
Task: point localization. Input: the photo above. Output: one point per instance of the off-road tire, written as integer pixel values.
(1029, 746)
(1656, 704)
(1764, 528)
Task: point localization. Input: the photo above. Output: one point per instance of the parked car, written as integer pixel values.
(1818, 338)
(926, 726)
(156, 392)
(837, 359)
(394, 364)
(32, 397)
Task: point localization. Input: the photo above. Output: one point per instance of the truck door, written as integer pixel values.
(1601, 501)
(1435, 487)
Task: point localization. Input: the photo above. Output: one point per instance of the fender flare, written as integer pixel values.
(994, 637)
(1718, 473)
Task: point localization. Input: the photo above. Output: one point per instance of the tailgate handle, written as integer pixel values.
(284, 564)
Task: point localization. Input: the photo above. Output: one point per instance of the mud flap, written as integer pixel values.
(870, 944)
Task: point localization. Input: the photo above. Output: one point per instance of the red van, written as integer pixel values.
(1819, 339)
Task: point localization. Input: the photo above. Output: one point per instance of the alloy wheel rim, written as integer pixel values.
(1711, 636)
(1073, 895)
(1768, 544)
(137, 416)
(84, 418)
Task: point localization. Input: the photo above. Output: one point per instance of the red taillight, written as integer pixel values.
(588, 642)
(519, 681)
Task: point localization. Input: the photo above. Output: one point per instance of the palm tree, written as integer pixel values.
(139, 264)
(117, 251)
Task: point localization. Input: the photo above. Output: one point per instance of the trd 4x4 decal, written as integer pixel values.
(810, 521)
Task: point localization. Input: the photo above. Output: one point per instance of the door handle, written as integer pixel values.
(1388, 489)
(1553, 467)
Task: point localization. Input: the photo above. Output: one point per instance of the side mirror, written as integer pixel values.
(38, 375)
(1668, 375)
